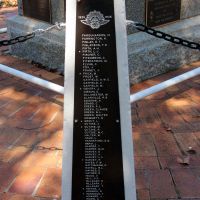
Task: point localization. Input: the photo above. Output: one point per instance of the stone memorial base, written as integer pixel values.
(47, 49)
(148, 56)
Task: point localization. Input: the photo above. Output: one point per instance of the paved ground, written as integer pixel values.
(166, 131)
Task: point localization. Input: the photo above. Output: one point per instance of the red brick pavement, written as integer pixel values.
(166, 130)
(31, 134)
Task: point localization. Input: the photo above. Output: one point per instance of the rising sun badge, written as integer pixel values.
(95, 20)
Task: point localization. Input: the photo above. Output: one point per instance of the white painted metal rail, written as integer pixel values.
(3, 30)
(133, 98)
(157, 88)
(27, 77)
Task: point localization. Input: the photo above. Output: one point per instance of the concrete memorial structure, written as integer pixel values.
(47, 49)
(98, 154)
(148, 56)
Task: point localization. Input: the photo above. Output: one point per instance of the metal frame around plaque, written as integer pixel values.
(29, 15)
(164, 23)
(123, 97)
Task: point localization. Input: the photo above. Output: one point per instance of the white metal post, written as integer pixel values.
(32, 79)
(3, 30)
(157, 88)
(124, 99)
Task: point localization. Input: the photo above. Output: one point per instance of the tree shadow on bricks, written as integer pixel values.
(31, 123)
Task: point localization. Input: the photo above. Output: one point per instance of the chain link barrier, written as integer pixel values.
(137, 25)
(165, 36)
(31, 35)
(17, 40)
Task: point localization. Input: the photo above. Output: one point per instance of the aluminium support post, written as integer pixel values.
(98, 160)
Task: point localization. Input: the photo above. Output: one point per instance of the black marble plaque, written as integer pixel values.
(159, 12)
(37, 9)
(97, 172)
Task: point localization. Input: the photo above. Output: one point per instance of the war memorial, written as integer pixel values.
(93, 55)
(148, 56)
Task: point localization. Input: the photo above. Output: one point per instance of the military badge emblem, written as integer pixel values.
(95, 20)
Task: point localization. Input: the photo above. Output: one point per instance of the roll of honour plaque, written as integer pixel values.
(37, 9)
(98, 153)
(159, 12)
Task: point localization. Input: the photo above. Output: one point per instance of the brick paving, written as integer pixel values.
(166, 132)
(31, 132)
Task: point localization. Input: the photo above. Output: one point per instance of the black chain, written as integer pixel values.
(167, 37)
(16, 40)
(139, 26)
(37, 32)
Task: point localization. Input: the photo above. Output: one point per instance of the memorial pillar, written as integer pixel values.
(98, 147)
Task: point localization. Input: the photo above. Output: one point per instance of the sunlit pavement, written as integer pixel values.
(31, 133)
(166, 131)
